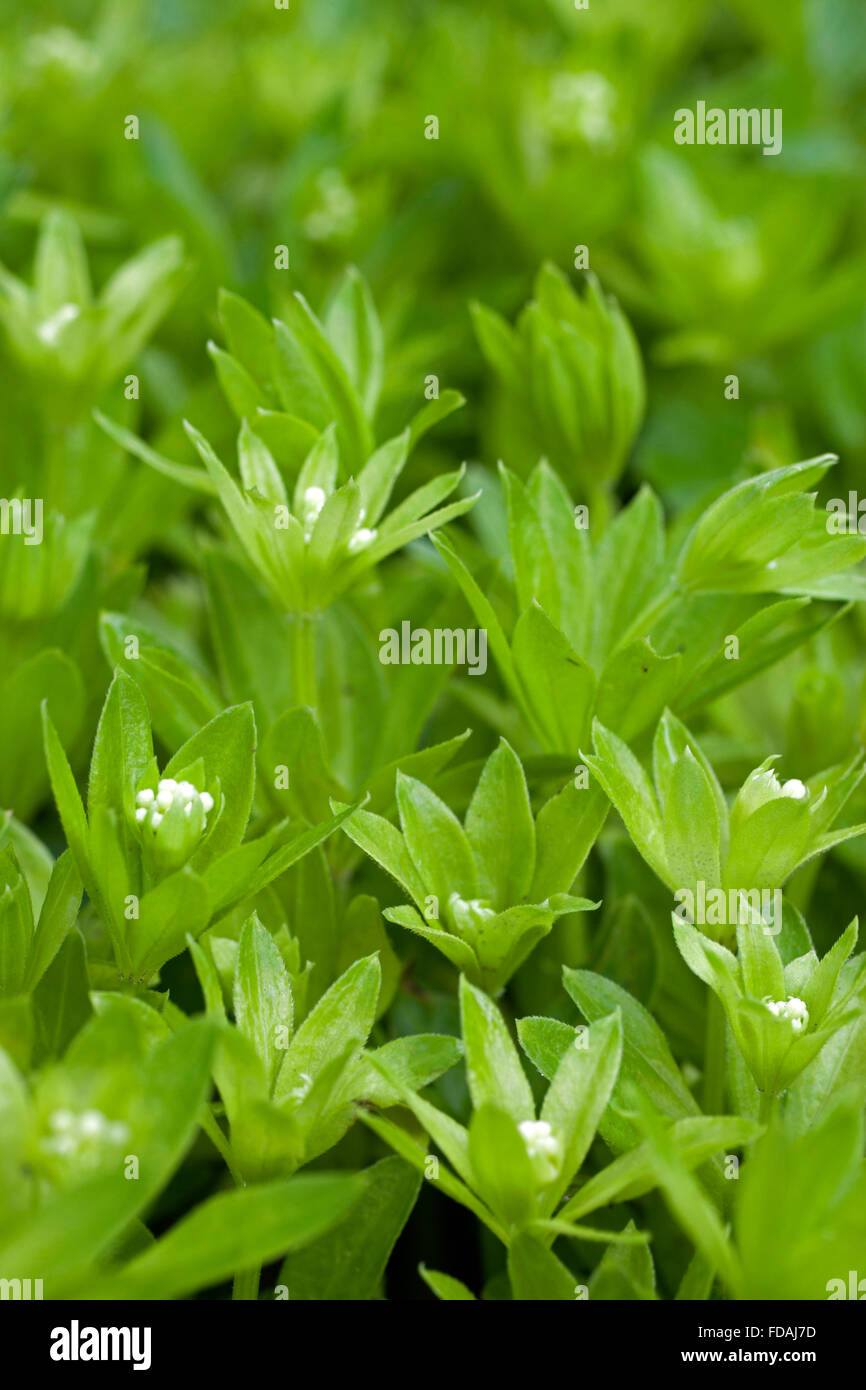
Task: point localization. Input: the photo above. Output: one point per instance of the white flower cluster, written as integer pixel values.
(542, 1146)
(314, 501)
(792, 1009)
(151, 806)
(82, 1135)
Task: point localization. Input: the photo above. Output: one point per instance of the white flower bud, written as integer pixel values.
(796, 789)
(362, 537)
(543, 1148)
(314, 499)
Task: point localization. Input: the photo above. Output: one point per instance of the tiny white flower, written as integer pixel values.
(91, 1123)
(363, 536)
(153, 807)
(535, 1131)
(792, 1009)
(51, 328)
(62, 1120)
(543, 1148)
(795, 789)
(314, 501)
(64, 1144)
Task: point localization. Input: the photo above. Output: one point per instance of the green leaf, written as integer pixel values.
(627, 785)
(60, 272)
(558, 684)
(634, 1173)
(768, 846)
(262, 996)
(689, 1202)
(238, 387)
(545, 1042)
(819, 989)
(493, 1070)
(57, 918)
(258, 471)
(646, 1061)
(349, 1261)
(625, 1273)
(340, 1022)
(176, 907)
(185, 474)
(413, 1061)
(248, 334)
(69, 804)
(535, 1272)
(122, 748)
(565, 831)
(578, 1094)
(445, 1287)
(354, 330)
(379, 839)
(501, 1165)
(436, 841)
(236, 1230)
(692, 832)
(500, 829)
(61, 1000)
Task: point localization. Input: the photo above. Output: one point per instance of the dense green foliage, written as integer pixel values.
(431, 679)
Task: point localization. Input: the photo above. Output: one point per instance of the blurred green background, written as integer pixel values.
(305, 127)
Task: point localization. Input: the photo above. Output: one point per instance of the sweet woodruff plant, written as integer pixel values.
(287, 931)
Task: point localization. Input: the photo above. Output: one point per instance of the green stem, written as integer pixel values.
(599, 500)
(649, 616)
(304, 659)
(714, 1058)
(246, 1284)
(767, 1107)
